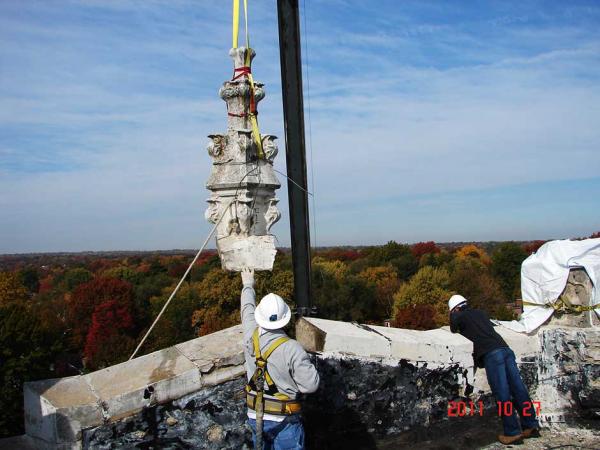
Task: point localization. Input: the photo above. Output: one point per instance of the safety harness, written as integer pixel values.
(261, 383)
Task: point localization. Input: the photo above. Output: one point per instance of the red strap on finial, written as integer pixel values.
(241, 71)
(238, 73)
(244, 114)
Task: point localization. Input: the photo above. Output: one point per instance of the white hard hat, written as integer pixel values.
(272, 312)
(456, 300)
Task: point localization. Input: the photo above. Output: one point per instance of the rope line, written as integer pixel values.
(164, 308)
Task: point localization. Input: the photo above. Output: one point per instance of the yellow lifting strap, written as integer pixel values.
(235, 35)
(561, 305)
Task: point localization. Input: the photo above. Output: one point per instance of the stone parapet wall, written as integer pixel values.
(57, 411)
(376, 382)
(212, 418)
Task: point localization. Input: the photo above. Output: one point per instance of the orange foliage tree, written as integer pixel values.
(472, 251)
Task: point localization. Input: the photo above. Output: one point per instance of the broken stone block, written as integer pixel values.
(257, 252)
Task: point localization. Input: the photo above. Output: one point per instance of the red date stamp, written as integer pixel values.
(461, 409)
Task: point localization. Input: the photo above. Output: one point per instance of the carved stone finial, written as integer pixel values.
(242, 185)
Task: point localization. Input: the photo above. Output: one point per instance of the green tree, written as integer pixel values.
(337, 269)
(146, 287)
(429, 286)
(219, 292)
(74, 277)
(348, 299)
(399, 256)
(384, 280)
(506, 267)
(30, 279)
(436, 259)
(176, 325)
(27, 352)
(471, 278)
(124, 273)
(205, 264)
(280, 282)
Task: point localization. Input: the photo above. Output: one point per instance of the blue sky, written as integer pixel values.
(430, 120)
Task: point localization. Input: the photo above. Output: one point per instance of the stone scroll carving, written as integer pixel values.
(242, 185)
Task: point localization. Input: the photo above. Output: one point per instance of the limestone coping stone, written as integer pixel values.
(220, 349)
(437, 346)
(351, 338)
(57, 410)
(158, 377)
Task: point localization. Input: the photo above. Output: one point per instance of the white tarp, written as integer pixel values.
(544, 277)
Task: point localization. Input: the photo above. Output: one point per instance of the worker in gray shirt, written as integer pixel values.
(278, 370)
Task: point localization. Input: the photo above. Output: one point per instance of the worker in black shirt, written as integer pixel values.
(492, 352)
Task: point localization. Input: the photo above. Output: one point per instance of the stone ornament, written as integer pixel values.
(242, 185)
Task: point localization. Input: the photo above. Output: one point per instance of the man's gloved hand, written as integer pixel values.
(248, 277)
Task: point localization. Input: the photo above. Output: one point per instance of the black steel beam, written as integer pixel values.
(293, 115)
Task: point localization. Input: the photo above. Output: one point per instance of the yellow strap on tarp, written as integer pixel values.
(561, 305)
(235, 35)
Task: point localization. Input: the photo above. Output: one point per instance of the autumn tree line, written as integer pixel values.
(74, 314)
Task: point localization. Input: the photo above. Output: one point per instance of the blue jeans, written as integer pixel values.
(285, 435)
(507, 386)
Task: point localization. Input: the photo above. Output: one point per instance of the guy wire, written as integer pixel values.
(310, 140)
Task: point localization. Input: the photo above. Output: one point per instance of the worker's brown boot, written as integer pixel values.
(510, 440)
(531, 433)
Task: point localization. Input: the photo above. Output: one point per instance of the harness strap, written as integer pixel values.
(261, 366)
(271, 349)
(273, 406)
